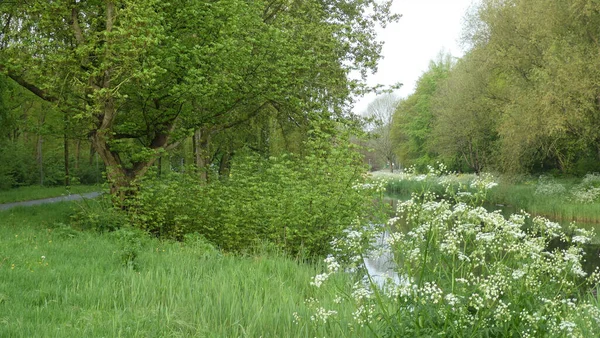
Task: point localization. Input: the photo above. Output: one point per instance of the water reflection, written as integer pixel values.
(380, 263)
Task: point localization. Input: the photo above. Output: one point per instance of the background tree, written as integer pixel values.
(380, 113)
(413, 120)
(524, 98)
(545, 53)
(466, 115)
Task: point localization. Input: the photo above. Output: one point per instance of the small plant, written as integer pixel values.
(131, 241)
(98, 215)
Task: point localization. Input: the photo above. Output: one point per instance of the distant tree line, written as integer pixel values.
(524, 99)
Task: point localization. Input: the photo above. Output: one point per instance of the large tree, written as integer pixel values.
(143, 74)
(466, 114)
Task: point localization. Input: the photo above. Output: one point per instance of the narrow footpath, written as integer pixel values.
(74, 197)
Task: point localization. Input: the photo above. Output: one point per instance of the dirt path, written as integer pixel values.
(74, 197)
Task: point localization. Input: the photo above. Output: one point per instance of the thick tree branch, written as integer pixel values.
(29, 86)
(76, 28)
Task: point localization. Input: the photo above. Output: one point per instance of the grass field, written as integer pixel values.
(37, 192)
(58, 282)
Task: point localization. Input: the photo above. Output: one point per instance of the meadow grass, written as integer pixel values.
(59, 282)
(523, 195)
(38, 192)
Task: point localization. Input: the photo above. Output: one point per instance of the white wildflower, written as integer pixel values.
(580, 239)
(319, 279)
(517, 274)
(322, 315)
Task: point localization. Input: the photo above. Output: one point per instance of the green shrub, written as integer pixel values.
(99, 215)
(297, 203)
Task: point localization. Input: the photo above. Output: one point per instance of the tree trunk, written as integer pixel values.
(66, 146)
(201, 151)
(40, 158)
(66, 151)
(77, 154)
(225, 165)
(92, 152)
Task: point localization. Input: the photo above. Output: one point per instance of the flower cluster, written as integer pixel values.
(588, 191)
(464, 270)
(548, 187)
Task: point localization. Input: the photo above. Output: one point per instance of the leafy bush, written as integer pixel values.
(99, 215)
(297, 203)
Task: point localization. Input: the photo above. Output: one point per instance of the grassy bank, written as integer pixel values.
(558, 206)
(38, 192)
(556, 199)
(58, 282)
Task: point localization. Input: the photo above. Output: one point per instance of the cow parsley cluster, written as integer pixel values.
(466, 271)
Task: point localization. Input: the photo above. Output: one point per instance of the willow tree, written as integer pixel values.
(547, 54)
(466, 114)
(144, 74)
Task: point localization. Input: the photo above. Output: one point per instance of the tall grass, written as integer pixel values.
(38, 192)
(559, 207)
(58, 282)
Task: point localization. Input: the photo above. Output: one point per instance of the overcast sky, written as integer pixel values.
(426, 28)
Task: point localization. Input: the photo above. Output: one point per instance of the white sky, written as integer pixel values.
(426, 28)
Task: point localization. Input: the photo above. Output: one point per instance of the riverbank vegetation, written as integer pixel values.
(232, 162)
(460, 270)
(295, 203)
(560, 199)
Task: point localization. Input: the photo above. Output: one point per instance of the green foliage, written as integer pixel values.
(297, 203)
(523, 99)
(465, 130)
(98, 214)
(154, 72)
(20, 169)
(131, 242)
(413, 120)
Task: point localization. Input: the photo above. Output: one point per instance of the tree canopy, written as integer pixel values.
(140, 76)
